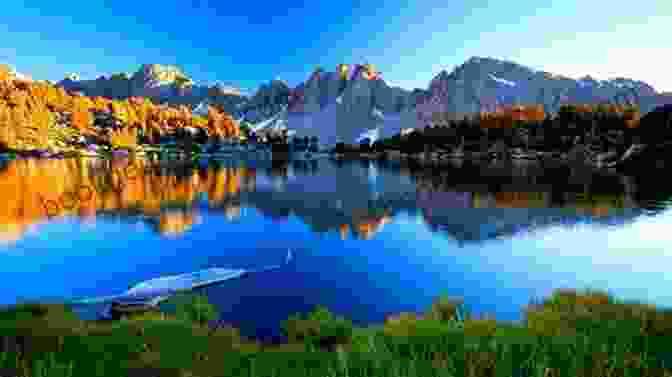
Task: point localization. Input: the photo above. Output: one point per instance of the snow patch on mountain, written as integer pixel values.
(201, 109)
(372, 135)
(321, 124)
(620, 83)
(394, 124)
(324, 124)
(20, 76)
(502, 81)
(377, 114)
(275, 123)
(225, 88)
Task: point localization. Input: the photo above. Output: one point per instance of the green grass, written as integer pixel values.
(568, 334)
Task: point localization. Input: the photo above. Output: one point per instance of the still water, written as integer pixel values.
(369, 239)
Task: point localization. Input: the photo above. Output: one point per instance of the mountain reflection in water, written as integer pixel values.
(470, 203)
(372, 238)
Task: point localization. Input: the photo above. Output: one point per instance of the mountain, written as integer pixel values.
(483, 84)
(354, 101)
(8, 72)
(162, 83)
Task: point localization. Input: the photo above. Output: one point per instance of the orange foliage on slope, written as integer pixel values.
(221, 124)
(27, 111)
(629, 114)
(82, 118)
(24, 117)
(124, 138)
(506, 117)
(5, 73)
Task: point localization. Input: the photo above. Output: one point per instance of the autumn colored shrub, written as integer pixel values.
(81, 118)
(596, 314)
(125, 138)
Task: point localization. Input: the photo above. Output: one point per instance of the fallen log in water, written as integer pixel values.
(148, 294)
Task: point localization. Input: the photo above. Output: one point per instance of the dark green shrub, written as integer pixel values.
(38, 311)
(445, 309)
(191, 307)
(320, 328)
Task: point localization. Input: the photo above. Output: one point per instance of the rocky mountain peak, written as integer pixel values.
(220, 89)
(8, 72)
(316, 75)
(157, 75)
(159, 69)
(365, 71)
(485, 61)
(441, 77)
(120, 76)
(72, 77)
(475, 60)
(278, 83)
(342, 70)
(589, 78)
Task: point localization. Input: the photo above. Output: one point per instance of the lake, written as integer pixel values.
(370, 239)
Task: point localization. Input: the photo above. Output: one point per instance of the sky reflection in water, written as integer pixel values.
(369, 239)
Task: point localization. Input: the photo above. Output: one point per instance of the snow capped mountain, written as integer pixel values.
(9, 69)
(162, 83)
(341, 105)
(484, 84)
(354, 101)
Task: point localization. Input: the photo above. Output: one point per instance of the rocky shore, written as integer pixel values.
(636, 154)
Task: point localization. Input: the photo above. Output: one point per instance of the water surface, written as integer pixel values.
(369, 239)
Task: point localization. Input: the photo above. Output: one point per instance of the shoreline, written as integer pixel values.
(434, 160)
(636, 156)
(442, 336)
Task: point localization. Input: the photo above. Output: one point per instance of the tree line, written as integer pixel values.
(529, 127)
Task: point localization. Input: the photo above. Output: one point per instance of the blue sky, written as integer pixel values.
(246, 43)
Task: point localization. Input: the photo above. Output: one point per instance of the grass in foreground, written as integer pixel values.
(568, 334)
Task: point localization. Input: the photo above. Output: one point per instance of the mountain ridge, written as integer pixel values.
(166, 70)
(355, 99)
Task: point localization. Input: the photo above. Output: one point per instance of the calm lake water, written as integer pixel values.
(369, 239)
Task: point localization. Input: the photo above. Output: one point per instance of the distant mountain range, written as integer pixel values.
(161, 83)
(355, 101)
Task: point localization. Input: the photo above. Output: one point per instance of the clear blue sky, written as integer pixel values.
(248, 42)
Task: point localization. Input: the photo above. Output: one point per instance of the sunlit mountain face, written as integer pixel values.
(354, 200)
